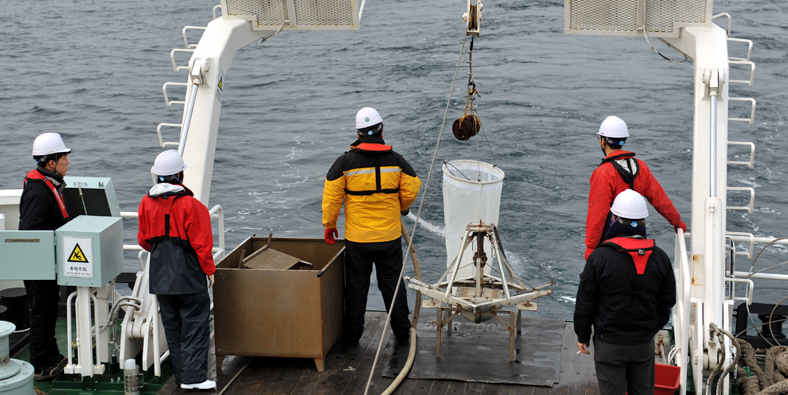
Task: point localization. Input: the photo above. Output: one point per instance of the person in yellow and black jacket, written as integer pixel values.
(376, 185)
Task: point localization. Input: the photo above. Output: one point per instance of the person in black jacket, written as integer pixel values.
(626, 292)
(41, 207)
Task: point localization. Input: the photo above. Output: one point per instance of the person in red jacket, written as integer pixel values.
(176, 229)
(617, 172)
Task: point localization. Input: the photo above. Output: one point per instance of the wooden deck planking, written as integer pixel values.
(347, 373)
(473, 388)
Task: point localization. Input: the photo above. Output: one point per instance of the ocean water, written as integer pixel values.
(92, 71)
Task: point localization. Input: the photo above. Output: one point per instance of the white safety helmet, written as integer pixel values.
(613, 127)
(367, 117)
(630, 205)
(48, 144)
(168, 163)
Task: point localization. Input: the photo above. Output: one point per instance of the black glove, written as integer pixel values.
(404, 212)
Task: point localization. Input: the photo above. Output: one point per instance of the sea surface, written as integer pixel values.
(93, 70)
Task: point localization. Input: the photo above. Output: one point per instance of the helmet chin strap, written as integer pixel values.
(54, 168)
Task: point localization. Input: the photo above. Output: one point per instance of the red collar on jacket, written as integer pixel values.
(618, 154)
(35, 175)
(372, 147)
(370, 144)
(639, 249)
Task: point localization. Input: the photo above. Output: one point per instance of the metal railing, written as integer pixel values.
(216, 212)
(682, 311)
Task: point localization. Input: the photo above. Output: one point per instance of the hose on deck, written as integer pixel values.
(414, 322)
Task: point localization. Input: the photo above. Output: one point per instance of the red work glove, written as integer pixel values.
(681, 225)
(330, 235)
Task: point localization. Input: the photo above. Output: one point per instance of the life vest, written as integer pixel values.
(639, 249)
(372, 148)
(35, 175)
(630, 174)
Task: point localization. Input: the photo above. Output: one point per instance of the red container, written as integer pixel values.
(666, 379)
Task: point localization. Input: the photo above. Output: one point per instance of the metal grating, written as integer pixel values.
(661, 18)
(297, 14)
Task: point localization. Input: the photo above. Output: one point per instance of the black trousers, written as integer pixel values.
(624, 369)
(387, 257)
(43, 297)
(185, 320)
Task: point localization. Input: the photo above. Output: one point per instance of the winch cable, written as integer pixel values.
(470, 108)
(470, 103)
(415, 224)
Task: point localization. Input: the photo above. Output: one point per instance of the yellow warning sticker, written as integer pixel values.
(220, 86)
(77, 255)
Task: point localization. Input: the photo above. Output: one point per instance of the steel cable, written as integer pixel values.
(416, 223)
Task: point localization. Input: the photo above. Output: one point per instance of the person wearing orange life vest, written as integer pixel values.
(617, 172)
(626, 291)
(42, 207)
(176, 228)
(376, 185)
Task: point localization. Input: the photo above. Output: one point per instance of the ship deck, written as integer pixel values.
(347, 373)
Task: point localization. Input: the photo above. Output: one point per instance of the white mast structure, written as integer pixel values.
(242, 23)
(702, 297)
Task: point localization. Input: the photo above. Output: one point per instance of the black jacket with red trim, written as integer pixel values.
(626, 292)
(41, 206)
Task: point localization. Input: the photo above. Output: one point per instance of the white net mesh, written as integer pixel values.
(662, 18)
(471, 193)
(308, 14)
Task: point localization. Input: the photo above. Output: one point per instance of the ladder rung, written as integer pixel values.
(752, 72)
(162, 143)
(167, 98)
(727, 32)
(172, 58)
(185, 40)
(751, 162)
(752, 199)
(742, 40)
(752, 242)
(751, 119)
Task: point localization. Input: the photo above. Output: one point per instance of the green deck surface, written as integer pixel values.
(111, 383)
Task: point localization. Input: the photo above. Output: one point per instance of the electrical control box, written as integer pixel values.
(94, 238)
(89, 251)
(27, 255)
